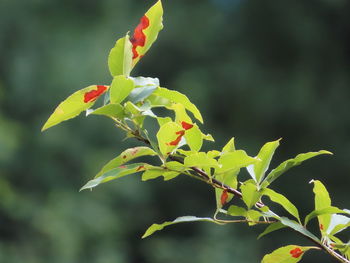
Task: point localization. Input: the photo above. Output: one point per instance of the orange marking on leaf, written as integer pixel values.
(321, 226)
(296, 252)
(224, 197)
(124, 156)
(134, 151)
(140, 167)
(92, 95)
(186, 125)
(122, 166)
(178, 139)
(139, 38)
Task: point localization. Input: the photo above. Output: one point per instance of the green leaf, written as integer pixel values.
(236, 211)
(250, 195)
(283, 201)
(257, 171)
(234, 161)
(125, 157)
(167, 134)
(110, 110)
(120, 88)
(298, 227)
(253, 216)
(194, 138)
(120, 57)
(178, 97)
(323, 211)
(271, 228)
(163, 120)
(183, 219)
(230, 146)
(150, 174)
(115, 173)
(287, 254)
(74, 105)
(322, 200)
(286, 165)
(200, 160)
(180, 113)
(155, 18)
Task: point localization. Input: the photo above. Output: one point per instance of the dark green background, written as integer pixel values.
(258, 71)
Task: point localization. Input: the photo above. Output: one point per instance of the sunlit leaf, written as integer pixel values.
(178, 97)
(120, 57)
(120, 88)
(286, 165)
(257, 171)
(183, 219)
(283, 201)
(110, 110)
(229, 147)
(322, 200)
(125, 157)
(169, 137)
(234, 161)
(147, 31)
(250, 194)
(234, 210)
(201, 160)
(194, 138)
(287, 254)
(323, 211)
(76, 103)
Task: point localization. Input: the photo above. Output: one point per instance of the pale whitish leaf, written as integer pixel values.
(183, 219)
(286, 165)
(271, 228)
(144, 87)
(323, 211)
(337, 224)
(286, 254)
(283, 201)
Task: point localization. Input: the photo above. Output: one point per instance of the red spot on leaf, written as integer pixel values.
(178, 138)
(186, 125)
(140, 167)
(92, 95)
(139, 38)
(321, 226)
(122, 166)
(296, 252)
(134, 151)
(224, 197)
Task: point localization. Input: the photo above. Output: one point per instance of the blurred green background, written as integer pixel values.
(258, 70)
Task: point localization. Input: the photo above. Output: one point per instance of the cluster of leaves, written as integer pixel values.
(131, 102)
